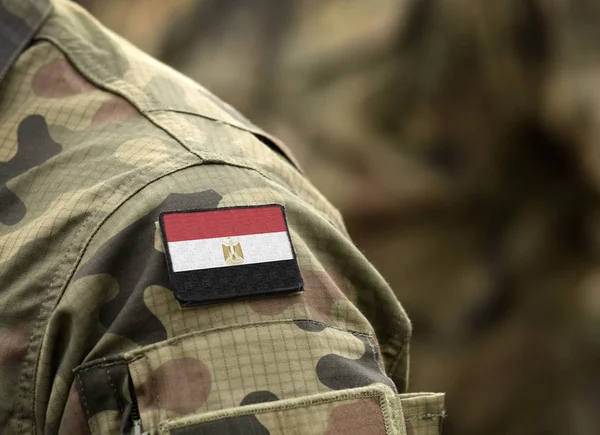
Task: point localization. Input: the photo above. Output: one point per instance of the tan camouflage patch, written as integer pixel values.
(142, 151)
(260, 195)
(423, 413)
(180, 321)
(158, 242)
(107, 422)
(41, 224)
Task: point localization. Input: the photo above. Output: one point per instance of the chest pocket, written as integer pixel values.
(274, 374)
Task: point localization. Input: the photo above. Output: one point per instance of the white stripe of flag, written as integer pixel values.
(208, 254)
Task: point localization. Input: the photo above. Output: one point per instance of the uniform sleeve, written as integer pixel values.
(327, 361)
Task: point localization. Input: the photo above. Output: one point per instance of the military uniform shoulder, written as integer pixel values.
(192, 125)
(156, 90)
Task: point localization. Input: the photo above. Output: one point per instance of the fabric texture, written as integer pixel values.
(371, 410)
(96, 140)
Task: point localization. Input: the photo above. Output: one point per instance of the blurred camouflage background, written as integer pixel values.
(459, 138)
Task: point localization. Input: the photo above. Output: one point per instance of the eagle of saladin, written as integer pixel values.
(232, 251)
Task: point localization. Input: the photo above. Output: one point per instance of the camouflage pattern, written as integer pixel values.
(97, 139)
(459, 138)
(370, 410)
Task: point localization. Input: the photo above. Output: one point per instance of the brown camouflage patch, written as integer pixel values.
(73, 419)
(58, 79)
(13, 344)
(181, 385)
(114, 110)
(273, 306)
(343, 418)
(320, 294)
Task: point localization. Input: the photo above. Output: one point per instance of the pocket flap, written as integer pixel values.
(423, 412)
(373, 410)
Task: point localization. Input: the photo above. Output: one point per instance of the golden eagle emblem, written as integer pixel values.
(232, 251)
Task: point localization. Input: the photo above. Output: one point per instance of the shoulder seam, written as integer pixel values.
(144, 101)
(208, 158)
(88, 75)
(149, 113)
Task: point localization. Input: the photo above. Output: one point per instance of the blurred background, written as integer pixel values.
(460, 139)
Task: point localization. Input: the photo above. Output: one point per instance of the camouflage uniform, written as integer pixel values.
(459, 139)
(97, 139)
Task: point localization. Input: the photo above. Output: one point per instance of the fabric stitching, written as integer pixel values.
(100, 365)
(134, 373)
(374, 353)
(85, 405)
(138, 176)
(255, 132)
(343, 396)
(149, 114)
(89, 220)
(384, 406)
(397, 362)
(112, 385)
(252, 129)
(41, 312)
(426, 417)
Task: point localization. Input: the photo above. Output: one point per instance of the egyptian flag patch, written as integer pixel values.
(229, 253)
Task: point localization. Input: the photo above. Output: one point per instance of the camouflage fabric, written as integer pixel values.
(368, 410)
(459, 139)
(97, 139)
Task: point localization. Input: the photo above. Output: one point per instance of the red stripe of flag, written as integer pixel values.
(223, 223)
